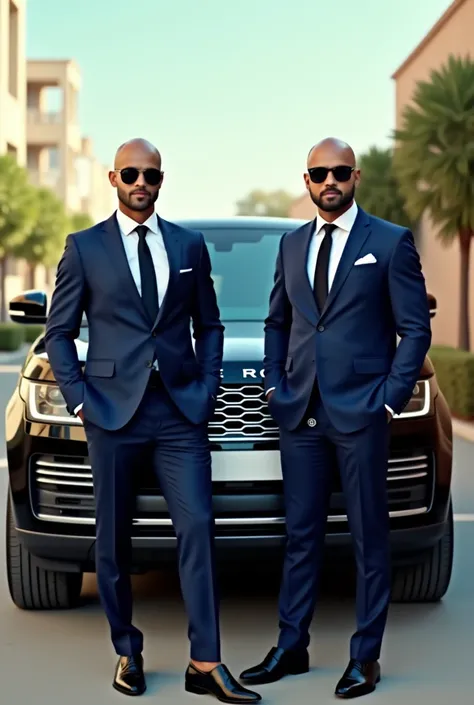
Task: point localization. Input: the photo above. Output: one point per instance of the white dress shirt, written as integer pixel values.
(157, 248)
(340, 235)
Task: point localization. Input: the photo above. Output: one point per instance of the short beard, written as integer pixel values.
(143, 205)
(337, 205)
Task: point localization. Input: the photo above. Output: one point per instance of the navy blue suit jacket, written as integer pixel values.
(350, 346)
(94, 278)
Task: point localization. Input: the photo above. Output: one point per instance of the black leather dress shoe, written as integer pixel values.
(277, 664)
(129, 678)
(220, 683)
(360, 678)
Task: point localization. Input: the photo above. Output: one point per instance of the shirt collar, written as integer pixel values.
(345, 221)
(127, 225)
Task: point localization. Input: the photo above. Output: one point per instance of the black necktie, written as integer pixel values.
(321, 275)
(147, 274)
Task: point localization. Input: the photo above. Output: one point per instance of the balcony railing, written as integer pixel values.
(41, 117)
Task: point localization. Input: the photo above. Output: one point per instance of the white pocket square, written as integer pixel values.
(184, 271)
(368, 259)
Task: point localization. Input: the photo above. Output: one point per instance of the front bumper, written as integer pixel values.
(56, 521)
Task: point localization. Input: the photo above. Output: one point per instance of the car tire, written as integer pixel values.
(31, 586)
(428, 580)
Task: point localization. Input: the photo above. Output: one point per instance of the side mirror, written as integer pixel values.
(29, 307)
(433, 305)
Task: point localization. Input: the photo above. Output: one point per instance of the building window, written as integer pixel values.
(13, 67)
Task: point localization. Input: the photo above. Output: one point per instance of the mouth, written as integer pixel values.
(140, 193)
(331, 193)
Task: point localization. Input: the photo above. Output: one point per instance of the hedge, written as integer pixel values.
(12, 336)
(32, 332)
(455, 375)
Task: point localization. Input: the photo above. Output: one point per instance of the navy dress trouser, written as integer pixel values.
(307, 464)
(182, 463)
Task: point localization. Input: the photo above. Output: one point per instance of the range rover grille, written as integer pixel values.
(242, 414)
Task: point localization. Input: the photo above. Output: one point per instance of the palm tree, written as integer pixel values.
(379, 191)
(434, 162)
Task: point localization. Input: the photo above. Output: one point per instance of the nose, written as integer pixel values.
(330, 180)
(140, 180)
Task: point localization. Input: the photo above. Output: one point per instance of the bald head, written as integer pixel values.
(332, 176)
(331, 148)
(138, 177)
(128, 152)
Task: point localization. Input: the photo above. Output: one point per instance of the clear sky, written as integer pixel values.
(232, 93)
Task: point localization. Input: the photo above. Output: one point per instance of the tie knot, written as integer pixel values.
(329, 228)
(142, 231)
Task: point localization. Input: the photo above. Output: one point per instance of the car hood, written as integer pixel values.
(243, 354)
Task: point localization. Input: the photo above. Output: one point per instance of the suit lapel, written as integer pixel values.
(299, 256)
(173, 244)
(357, 237)
(112, 241)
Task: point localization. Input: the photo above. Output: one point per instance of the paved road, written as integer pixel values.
(58, 658)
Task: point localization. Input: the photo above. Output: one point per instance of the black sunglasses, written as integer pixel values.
(130, 174)
(319, 174)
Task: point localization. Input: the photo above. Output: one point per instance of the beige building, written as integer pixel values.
(98, 198)
(58, 156)
(12, 79)
(53, 136)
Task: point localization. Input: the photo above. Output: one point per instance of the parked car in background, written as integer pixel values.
(50, 512)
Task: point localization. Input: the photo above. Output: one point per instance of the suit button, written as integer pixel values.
(311, 423)
(320, 328)
(149, 363)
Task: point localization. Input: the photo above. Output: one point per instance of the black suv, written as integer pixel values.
(50, 513)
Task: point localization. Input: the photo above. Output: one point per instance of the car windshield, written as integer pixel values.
(243, 265)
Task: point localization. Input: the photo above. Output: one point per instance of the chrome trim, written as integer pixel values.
(68, 483)
(72, 466)
(237, 521)
(416, 476)
(48, 468)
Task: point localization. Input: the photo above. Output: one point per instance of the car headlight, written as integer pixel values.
(419, 404)
(47, 404)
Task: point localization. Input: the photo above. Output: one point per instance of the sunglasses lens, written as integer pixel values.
(129, 175)
(318, 174)
(152, 176)
(342, 173)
